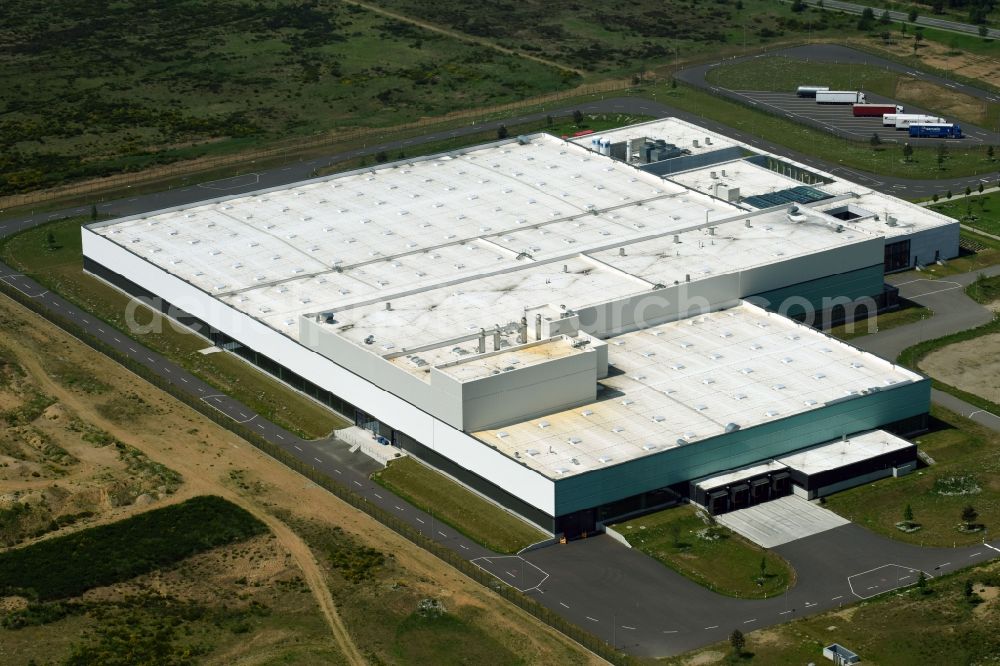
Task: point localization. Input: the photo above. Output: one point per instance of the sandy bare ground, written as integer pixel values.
(206, 455)
(972, 366)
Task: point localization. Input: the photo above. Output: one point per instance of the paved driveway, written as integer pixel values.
(781, 521)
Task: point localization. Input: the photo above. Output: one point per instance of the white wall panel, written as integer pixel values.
(468, 452)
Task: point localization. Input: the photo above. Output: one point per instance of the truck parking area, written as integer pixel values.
(836, 118)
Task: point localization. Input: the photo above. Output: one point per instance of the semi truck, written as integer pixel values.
(840, 97)
(810, 91)
(936, 130)
(873, 110)
(904, 120)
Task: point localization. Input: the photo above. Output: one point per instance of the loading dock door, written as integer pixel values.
(740, 496)
(760, 490)
(718, 502)
(781, 485)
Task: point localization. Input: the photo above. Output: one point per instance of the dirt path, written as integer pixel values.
(454, 34)
(196, 482)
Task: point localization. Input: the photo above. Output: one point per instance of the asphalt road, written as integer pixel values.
(929, 21)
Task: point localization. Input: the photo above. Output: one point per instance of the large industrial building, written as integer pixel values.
(577, 329)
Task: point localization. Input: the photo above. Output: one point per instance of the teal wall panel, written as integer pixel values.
(743, 447)
(851, 285)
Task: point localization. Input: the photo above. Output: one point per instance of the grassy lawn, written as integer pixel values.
(881, 322)
(480, 520)
(943, 626)
(966, 471)
(710, 555)
(984, 290)
(981, 211)
(784, 74)
(889, 161)
(60, 268)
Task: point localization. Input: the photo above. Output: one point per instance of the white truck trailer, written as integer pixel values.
(840, 97)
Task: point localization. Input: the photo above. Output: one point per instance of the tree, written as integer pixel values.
(969, 515)
(935, 197)
(738, 641)
(907, 151)
(381, 156)
(577, 117)
(967, 588)
(989, 153)
(763, 567)
(50, 240)
(867, 19)
(502, 132)
(922, 583)
(968, 190)
(983, 31)
(875, 140)
(673, 83)
(798, 6)
(549, 121)
(885, 19)
(913, 16)
(93, 207)
(980, 188)
(908, 514)
(948, 194)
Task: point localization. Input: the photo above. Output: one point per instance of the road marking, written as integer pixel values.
(279, 437)
(183, 379)
(749, 621)
(976, 554)
(462, 545)
(339, 472)
(317, 459)
(784, 612)
(297, 447)
(260, 425)
(398, 508)
(357, 484)
(377, 495)
(839, 596)
(421, 521)
(625, 626)
(592, 619)
(714, 626)
(563, 605)
(670, 631)
(150, 359)
(442, 534)
(943, 565)
(991, 547)
(100, 330)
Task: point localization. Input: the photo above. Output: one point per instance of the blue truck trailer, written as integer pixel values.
(937, 130)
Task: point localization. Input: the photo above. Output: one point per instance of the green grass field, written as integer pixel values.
(905, 628)
(885, 160)
(712, 556)
(99, 88)
(59, 267)
(984, 290)
(620, 37)
(451, 503)
(882, 322)
(981, 211)
(66, 566)
(967, 458)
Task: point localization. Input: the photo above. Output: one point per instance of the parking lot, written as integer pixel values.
(839, 118)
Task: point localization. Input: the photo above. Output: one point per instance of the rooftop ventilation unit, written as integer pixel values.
(732, 427)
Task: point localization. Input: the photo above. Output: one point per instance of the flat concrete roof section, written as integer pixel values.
(780, 521)
(841, 453)
(688, 380)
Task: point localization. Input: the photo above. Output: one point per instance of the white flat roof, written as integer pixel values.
(673, 130)
(686, 381)
(459, 242)
(840, 453)
(737, 475)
